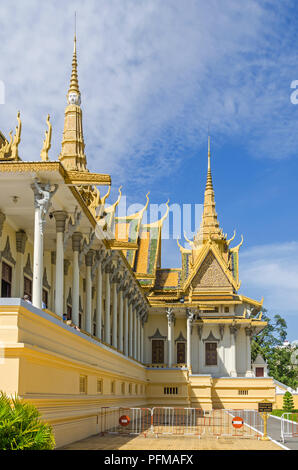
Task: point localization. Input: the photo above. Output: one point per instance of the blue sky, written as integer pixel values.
(154, 76)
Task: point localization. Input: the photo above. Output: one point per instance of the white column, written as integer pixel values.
(126, 326)
(134, 334)
(53, 282)
(88, 310)
(76, 243)
(138, 337)
(120, 321)
(142, 342)
(190, 317)
(223, 366)
(21, 239)
(249, 333)
(115, 315)
(131, 322)
(99, 302)
(60, 217)
(42, 203)
(66, 265)
(170, 317)
(37, 260)
(233, 333)
(108, 309)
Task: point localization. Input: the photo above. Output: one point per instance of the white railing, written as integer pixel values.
(289, 426)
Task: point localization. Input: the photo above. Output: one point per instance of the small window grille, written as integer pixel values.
(170, 391)
(243, 392)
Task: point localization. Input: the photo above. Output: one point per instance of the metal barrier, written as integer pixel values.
(177, 421)
(289, 426)
(125, 420)
(234, 423)
(165, 421)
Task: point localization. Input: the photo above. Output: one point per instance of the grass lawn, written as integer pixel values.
(292, 417)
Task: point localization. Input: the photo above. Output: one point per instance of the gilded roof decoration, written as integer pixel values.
(9, 151)
(44, 155)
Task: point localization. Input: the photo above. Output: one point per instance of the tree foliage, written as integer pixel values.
(21, 427)
(268, 343)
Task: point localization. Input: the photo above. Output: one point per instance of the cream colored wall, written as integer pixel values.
(44, 359)
(225, 392)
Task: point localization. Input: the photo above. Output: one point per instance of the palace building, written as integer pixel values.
(104, 324)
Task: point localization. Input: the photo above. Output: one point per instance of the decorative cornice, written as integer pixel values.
(2, 220)
(85, 178)
(157, 335)
(211, 338)
(27, 268)
(6, 253)
(45, 280)
(180, 338)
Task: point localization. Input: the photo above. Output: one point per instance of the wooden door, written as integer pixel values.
(180, 353)
(157, 351)
(259, 371)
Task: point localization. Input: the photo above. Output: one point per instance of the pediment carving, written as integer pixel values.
(210, 274)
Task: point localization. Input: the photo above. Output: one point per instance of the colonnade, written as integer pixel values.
(119, 319)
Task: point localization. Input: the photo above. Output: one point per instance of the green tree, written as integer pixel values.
(268, 343)
(288, 402)
(21, 427)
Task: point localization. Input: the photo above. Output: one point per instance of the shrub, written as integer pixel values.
(21, 427)
(288, 402)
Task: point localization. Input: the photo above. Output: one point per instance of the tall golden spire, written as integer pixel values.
(209, 227)
(72, 153)
(74, 83)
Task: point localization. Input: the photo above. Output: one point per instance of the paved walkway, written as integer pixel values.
(110, 442)
(274, 425)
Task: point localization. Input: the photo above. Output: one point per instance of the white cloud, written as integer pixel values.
(153, 74)
(271, 271)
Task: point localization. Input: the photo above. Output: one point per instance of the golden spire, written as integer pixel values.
(74, 83)
(73, 147)
(209, 228)
(209, 184)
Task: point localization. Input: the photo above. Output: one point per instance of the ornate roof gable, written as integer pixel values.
(211, 271)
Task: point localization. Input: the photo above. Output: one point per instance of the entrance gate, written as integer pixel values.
(166, 421)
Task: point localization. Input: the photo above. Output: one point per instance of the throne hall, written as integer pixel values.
(88, 316)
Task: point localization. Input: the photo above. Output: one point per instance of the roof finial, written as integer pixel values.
(209, 152)
(74, 96)
(209, 176)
